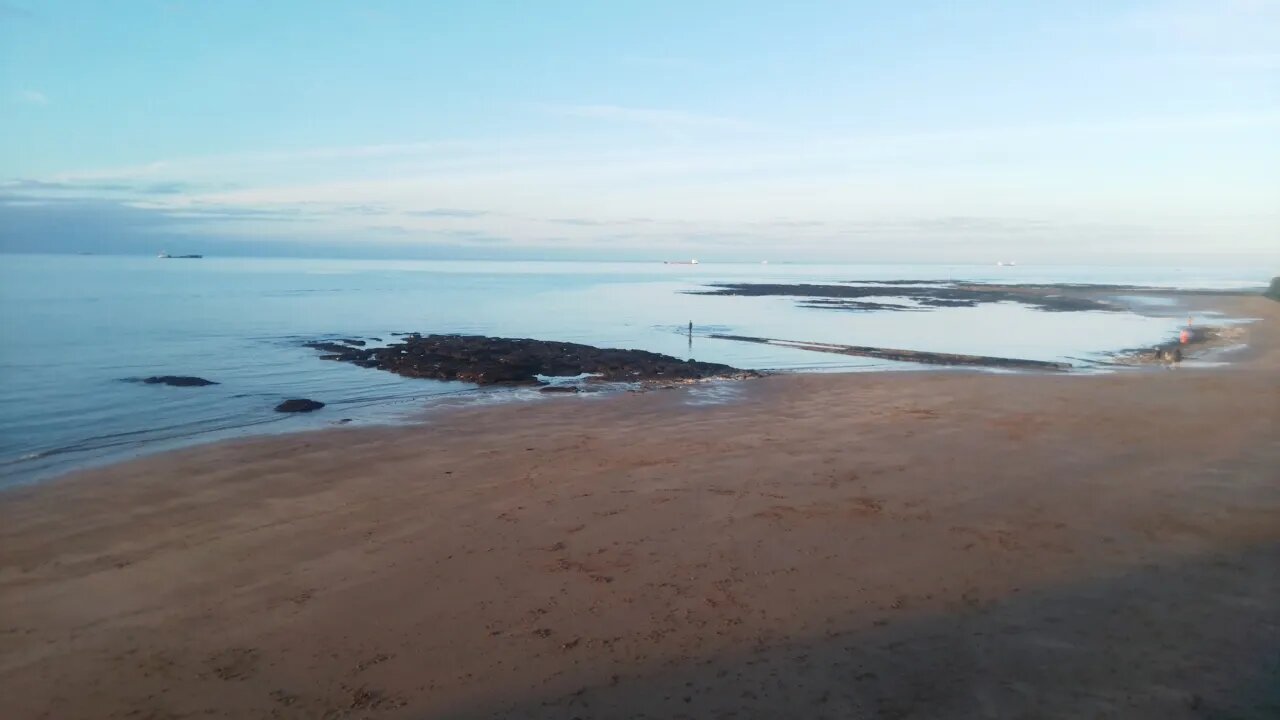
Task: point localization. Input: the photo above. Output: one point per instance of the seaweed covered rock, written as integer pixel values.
(178, 381)
(299, 405)
(493, 361)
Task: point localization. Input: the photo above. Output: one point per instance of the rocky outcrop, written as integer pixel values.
(916, 356)
(1273, 292)
(299, 405)
(493, 361)
(178, 381)
(1190, 343)
(1054, 298)
(329, 347)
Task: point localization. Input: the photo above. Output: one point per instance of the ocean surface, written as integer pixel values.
(75, 327)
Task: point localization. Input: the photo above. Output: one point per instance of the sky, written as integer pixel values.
(1036, 131)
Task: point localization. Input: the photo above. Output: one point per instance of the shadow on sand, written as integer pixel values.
(1199, 639)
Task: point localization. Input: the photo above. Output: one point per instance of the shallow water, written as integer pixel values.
(75, 326)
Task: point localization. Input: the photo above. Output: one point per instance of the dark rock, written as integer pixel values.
(1273, 292)
(349, 341)
(856, 305)
(328, 347)
(560, 389)
(299, 405)
(178, 381)
(1189, 342)
(491, 361)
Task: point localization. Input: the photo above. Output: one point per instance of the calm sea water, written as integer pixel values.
(74, 326)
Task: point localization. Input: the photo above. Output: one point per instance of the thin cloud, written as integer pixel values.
(583, 222)
(471, 236)
(652, 117)
(227, 214)
(163, 188)
(13, 12)
(448, 213)
(98, 186)
(388, 229)
(787, 223)
(1239, 62)
(238, 161)
(363, 209)
(32, 97)
(1233, 24)
(659, 62)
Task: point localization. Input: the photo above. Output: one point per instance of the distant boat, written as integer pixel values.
(692, 261)
(167, 256)
(1006, 263)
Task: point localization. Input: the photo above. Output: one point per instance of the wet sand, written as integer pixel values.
(897, 545)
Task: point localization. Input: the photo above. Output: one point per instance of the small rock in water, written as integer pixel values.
(351, 341)
(299, 405)
(560, 389)
(178, 381)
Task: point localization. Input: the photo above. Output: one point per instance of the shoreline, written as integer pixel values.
(906, 545)
(1221, 303)
(1210, 302)
(941, 544)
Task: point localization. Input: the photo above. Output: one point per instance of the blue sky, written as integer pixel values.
(1041, 131)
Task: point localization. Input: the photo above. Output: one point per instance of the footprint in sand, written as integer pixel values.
(234, 664)
(868, 504)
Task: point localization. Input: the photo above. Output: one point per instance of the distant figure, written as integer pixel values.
(1184, 337)
(1169, 356)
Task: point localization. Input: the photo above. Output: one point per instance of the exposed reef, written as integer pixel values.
(490, 361)
(1051, 298)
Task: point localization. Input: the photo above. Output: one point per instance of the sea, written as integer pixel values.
(77, 328)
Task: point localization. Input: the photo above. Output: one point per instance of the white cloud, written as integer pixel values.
(1136, 177)
(364, 173)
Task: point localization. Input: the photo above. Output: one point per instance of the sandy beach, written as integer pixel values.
(891, 545)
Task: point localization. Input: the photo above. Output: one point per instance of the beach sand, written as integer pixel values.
(896, 545)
